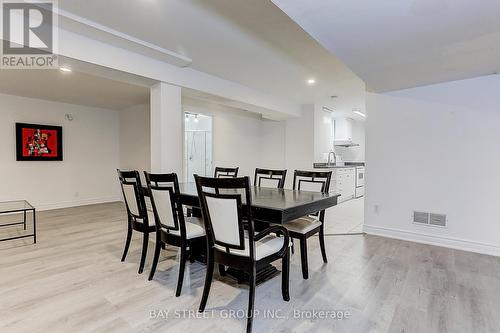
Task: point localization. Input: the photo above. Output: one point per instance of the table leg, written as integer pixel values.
(34, 226)
(24, 220)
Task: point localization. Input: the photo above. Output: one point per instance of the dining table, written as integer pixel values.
(269, 206)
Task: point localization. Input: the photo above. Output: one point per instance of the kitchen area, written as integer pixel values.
(343, 154)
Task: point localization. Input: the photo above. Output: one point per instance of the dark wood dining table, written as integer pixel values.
(270, 205)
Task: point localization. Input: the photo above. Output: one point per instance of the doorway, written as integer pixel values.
(198, 145)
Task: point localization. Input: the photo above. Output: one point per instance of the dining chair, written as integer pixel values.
(231, 240)
(269, 178)
(307, 226)
(139, 217)
(172, 228)
(226, 172)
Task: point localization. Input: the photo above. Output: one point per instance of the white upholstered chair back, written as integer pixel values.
(269, 178)
(164, 206)
(164, 193)
(132, 193)
(130, 198)
(312, 181)
(224, 203)
(226, 172)
(224, 217)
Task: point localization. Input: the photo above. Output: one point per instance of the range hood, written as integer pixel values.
(345, 143)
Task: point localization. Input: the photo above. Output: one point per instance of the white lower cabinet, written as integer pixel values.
(343, 182)
(346, 183)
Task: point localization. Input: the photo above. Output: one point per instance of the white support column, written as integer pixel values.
(166, 129)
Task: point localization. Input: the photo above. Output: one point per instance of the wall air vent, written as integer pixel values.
(438, 220)
(421, 217)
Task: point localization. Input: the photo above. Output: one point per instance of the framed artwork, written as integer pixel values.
(38, 142)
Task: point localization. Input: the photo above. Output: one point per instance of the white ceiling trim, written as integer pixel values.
(86, 49)
(94, 30)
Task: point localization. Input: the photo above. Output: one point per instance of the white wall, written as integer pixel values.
(135, 141)
(272, 144)
(299, 143)
(90, 151)
(436, 149)
(323, 130)
(237, 141)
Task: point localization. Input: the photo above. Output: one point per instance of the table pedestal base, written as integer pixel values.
(264, 274)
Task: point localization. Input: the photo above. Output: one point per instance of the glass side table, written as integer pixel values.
(20, 206)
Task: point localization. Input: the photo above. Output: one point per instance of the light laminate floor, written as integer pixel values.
(346, 218)
(73, 281)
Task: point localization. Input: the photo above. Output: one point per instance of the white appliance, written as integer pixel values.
(360, 182)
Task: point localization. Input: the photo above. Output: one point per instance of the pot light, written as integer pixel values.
(65, 69)
(359, 113)
(311, 82)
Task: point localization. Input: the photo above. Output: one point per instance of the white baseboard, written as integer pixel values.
(83, 202)
(450, 242)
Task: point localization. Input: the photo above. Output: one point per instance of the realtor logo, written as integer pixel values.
(28, 34)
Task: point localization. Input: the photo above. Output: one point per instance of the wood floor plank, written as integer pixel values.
(73, 281)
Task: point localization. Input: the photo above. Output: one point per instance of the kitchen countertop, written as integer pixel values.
(346, 165)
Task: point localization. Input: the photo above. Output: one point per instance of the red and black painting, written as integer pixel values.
(38, 142)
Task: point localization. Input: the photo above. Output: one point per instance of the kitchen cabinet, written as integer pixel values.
(343, 182)
(346, 183)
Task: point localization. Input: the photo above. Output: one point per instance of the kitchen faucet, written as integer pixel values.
(334, 158)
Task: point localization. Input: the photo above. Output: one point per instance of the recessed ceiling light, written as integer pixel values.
(311, 81)
(65, 69)
(359, 113)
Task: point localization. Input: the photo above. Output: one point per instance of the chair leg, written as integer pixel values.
(251, 299)
(127, 243)
(208, 281)
(191, 254)
(322, 244)
(303, 258)
(222, 270)
(144, 251)
(285, 276)
(156, 257)
(182, 265)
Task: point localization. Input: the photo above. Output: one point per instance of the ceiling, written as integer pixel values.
(74, 88)
(97, 86)
(396, 44)
(251, 42)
